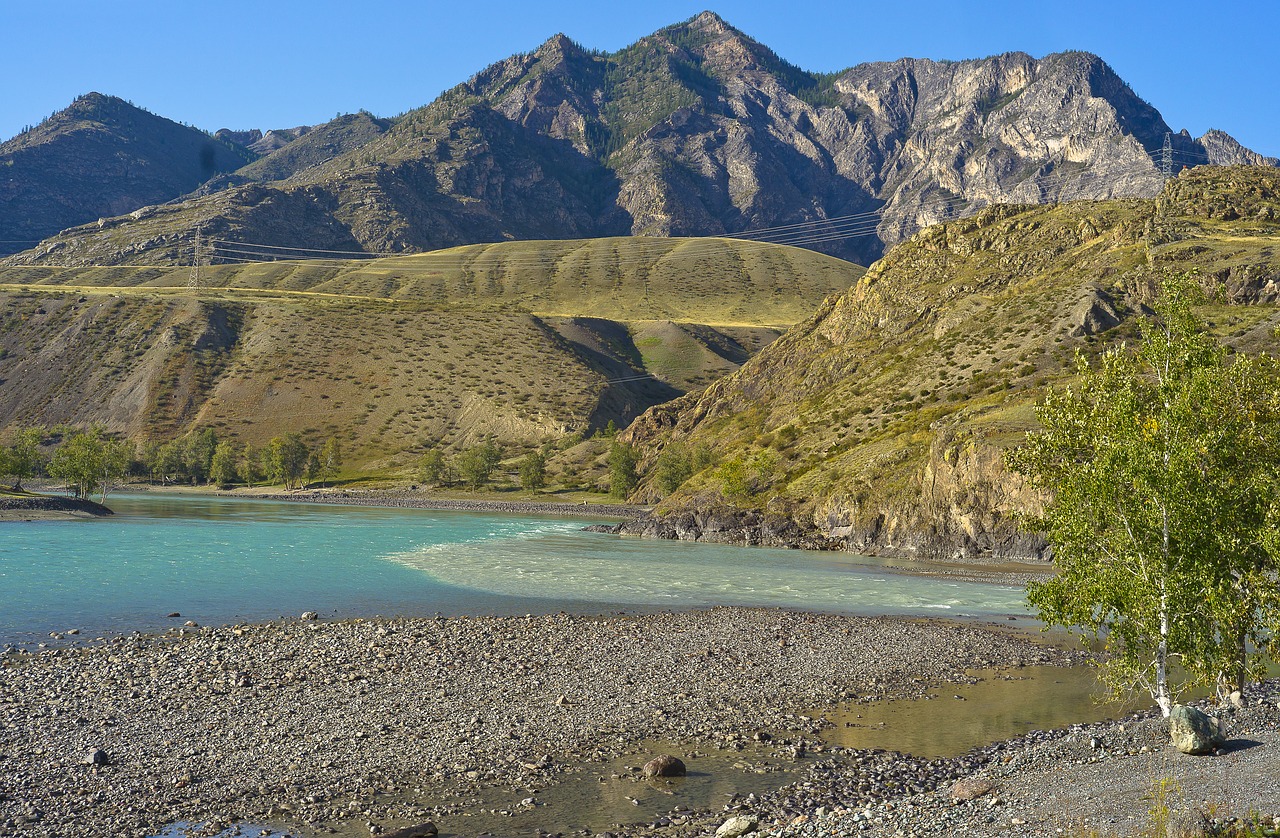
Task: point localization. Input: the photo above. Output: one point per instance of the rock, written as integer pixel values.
(422, 830)
(1192, 731)
(97, 757)
(970, 788)
(173, 614)
(739, 825)
(310, 615)
(191, 624)
(664, 765)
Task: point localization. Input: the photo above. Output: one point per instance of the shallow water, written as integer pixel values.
(1002, 705)
(221, 560)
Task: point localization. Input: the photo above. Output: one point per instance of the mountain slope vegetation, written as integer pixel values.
(520, 343)
(878, 424)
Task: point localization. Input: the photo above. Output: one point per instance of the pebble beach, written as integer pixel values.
(367, 726)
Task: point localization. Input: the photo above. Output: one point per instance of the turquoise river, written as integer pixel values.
(218, 560)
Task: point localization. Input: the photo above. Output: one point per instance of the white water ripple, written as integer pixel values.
(560, 562)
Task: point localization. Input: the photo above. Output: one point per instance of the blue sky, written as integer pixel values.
(264, 64)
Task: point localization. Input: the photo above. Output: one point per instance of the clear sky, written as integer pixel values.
(276, 64)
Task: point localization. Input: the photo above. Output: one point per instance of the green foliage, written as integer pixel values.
(432, 467)
(1164, 466)
(742, 478)
(533, 471)
(329, 460)
(197, 454)
(623, 478)
(88, 461)
(285, 460)
(249, 465)
(678, 462)
(21, 458)
(476, 464)
(223, 468)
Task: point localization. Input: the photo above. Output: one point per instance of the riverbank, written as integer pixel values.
(412, 499)
(320, 726)
(33, 507)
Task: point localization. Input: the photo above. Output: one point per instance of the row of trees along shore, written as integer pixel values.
(1163, 469)
(92, 461)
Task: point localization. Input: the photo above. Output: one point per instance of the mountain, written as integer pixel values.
(287, 152)
(521, 342)
(100, 157)
(695, 130)
(878, 424)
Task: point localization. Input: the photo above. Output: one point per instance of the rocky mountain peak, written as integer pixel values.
(711, 23)
(698, 129)
(1224, 150)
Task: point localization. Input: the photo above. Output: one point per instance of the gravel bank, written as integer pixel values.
(1112, 777)
(48, 508)
(374, 724)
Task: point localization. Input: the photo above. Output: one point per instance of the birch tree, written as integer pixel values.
(1162, 468)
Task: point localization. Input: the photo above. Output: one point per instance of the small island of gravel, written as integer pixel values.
(26, 506)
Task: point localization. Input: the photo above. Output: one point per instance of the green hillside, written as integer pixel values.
(879, 421)
(717, 281)
(521, 343)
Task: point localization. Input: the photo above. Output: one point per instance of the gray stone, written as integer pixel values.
(739, 825)
(97, 757)
(1192, 731)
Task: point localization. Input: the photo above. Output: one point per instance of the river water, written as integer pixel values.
(220, 560)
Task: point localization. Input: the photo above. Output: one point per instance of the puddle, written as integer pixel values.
(240, 830)
(605, 795)
(1002, 705)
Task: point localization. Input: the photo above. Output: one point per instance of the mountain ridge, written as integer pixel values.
(697, 129)
(100, 156)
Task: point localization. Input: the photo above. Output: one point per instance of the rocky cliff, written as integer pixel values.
(879, 424)
(695, 130)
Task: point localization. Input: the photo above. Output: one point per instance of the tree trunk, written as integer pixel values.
(1162, 657)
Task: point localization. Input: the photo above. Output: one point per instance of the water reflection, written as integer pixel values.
(1004, 704)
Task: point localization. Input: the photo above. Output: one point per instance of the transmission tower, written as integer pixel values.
(195, 282)
(1166, 157)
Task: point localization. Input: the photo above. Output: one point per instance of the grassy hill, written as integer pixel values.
(879, 422)
(519, 342)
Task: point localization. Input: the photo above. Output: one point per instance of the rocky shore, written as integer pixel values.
(47, 507)
(372, 725)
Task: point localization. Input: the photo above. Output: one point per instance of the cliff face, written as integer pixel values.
(880, 423)
(100, 157)
(700, 130)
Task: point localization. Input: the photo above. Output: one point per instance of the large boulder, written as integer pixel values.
(738, 826)
(664, 765)
(1193, 731)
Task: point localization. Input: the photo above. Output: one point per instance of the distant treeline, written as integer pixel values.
(92, 460)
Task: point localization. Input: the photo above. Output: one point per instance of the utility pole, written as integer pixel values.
(1166, 157)
(195, 283)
